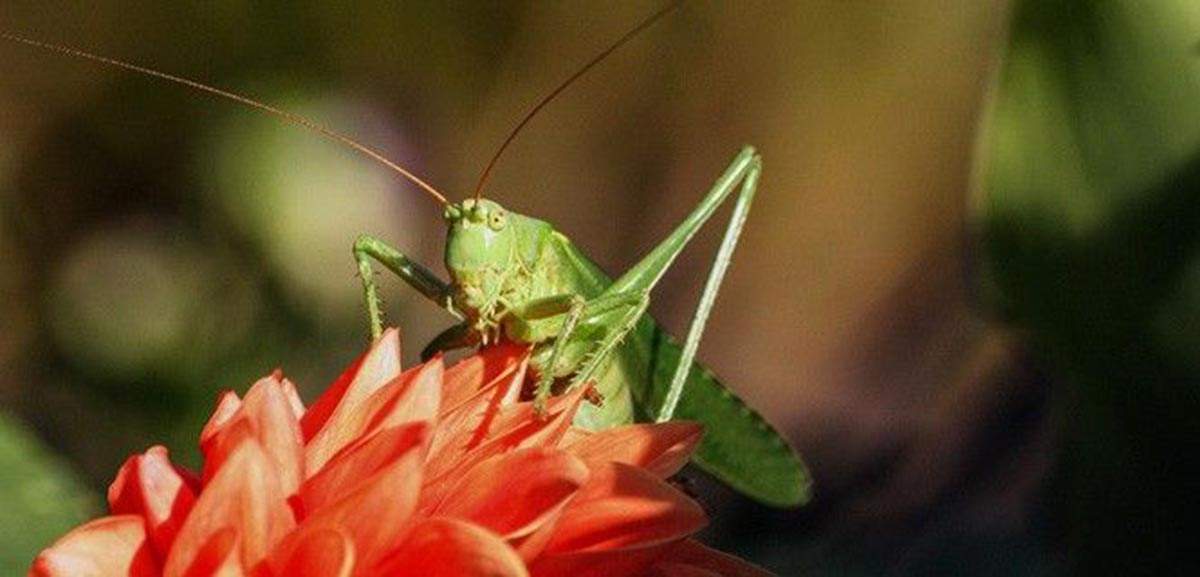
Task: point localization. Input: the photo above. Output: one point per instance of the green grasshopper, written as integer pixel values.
(515, 277)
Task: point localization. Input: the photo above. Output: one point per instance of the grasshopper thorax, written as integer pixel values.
(483, 257)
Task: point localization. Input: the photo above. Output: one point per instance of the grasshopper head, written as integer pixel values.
(480, 253)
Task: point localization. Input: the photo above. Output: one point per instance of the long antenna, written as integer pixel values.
(266, 108)
(644, 24)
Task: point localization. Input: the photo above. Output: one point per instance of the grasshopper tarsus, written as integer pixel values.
(593, 396)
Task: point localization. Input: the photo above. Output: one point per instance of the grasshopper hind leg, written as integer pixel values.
(733, 231)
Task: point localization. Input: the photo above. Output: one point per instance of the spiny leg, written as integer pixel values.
(411, 272)
(612, 339)
(546, 379)
(716, 275)
(575, 310)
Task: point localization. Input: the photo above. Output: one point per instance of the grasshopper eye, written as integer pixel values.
(497, 219)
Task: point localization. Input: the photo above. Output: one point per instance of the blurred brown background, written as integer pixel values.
(157, 246)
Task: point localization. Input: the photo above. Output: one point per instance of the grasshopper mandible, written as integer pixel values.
(515, 277)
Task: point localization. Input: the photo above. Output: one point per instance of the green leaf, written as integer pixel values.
(1091, 226)
(1091, 159)
(40, 499)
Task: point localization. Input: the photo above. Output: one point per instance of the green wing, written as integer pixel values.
(40, 498)
(739, 446)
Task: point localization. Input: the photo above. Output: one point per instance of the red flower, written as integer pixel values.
(427, 472)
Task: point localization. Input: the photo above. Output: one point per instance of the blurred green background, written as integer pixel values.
(969, 290)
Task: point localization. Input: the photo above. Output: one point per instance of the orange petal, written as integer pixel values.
(227, 406)
(149, 486)
(662, 448)
(467, 424)
(107, 547)
(416, 400)
(359, 462)
(629, 563)
(223, 444)
(675, 570)
(413, 395)
(218, 557)
(490, 367)
(690, 553)
(245, 495)
(266, 415)
(517, 426)
(377, 513)
(623, 507)
(267, 405)
(513, 427)
(293, 397)
(516, 493)
(318, 414)
(320, 552)
(441, 547)
(190, 478)
(376, 368)
(575, 435)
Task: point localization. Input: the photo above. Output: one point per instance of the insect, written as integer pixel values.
(515, 277)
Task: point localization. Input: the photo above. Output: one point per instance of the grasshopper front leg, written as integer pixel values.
(410, 271)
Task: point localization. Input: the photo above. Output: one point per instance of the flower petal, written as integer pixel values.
(488, 368)
(267, 415)
(513, 427)
(676, 570)
(321, 552)
(516, 493)
(402, 403)
(412, 396)
(623, 507)
(363, 377)
(266, 404)
(107, 547)
(222, 445)
(245, 495)
(597, 563)
(517, 425)
(376, 514)
(467, 424)
(318, 414)
(293, 397)
(691, 553)
(575, 435)
(268, 407)
(227, 406)
(149, 486)
(220, 556)
(661, 448)
(359, 462)
(441, 547)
